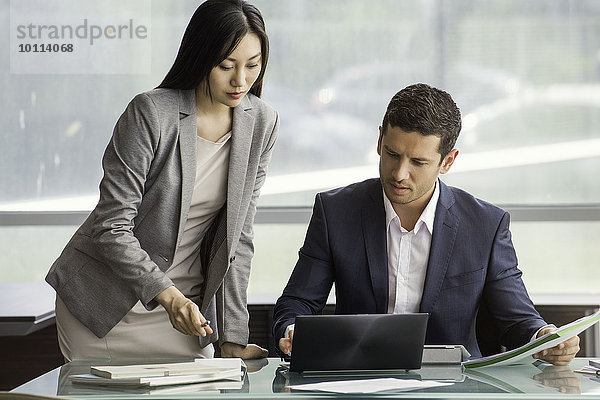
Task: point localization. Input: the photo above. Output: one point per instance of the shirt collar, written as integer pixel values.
(427, 216)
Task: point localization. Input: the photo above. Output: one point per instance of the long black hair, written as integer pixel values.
(214, 31)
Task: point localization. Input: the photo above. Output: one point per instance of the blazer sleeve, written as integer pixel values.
(235, 283)
(126, 163)
(505, 292)
(312, 278)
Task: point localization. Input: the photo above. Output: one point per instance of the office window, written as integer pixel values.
(526, 75)
(531, 107)
(556, 257)
(551, 267)
(28, 251)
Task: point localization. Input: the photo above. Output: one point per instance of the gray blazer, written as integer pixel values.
(120, 253)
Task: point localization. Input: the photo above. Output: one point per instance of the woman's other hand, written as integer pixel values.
(249, 352)
(184, 314)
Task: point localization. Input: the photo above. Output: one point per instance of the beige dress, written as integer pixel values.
(142, 333)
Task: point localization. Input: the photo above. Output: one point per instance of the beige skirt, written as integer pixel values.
(140, 334)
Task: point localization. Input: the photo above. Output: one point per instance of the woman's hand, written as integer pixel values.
(249, 352)
(184, 314)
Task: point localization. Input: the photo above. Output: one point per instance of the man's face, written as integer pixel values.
(409, 166)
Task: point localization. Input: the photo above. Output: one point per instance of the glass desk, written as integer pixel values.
(266, 379)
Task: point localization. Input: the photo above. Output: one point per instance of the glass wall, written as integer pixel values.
(526, 75)
(556, 257)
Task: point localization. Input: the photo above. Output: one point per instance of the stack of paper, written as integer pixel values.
(151, 375)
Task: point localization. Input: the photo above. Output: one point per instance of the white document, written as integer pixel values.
(369, 385)
(522, 355)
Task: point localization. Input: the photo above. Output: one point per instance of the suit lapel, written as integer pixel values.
(241, 140)
(445, 228)
(187, 148)
(374, 234)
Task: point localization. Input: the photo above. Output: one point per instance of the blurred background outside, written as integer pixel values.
(525, 74)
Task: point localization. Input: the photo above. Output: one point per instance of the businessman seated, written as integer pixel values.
(406, 242)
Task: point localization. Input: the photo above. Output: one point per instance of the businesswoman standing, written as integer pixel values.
(160, 267)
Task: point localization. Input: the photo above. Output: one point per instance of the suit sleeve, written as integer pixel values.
(310, 283)
(505, 293)
(126, 164)
(235, 284)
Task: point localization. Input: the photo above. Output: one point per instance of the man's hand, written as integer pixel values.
(249, 352)
(285, 344)
(561, 354)
(184, 314)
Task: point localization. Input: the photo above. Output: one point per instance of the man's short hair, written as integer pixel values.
(426, 110)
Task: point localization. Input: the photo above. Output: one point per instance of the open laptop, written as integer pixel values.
(358, 342)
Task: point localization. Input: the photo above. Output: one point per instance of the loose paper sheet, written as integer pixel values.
(369, 385)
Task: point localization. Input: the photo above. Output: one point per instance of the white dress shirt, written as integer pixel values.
(408, 254)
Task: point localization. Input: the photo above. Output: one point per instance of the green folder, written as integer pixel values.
(520, 354)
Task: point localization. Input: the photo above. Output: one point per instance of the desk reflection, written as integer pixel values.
(559, 377)
(266, 378)
(538, 377)
(448, 373)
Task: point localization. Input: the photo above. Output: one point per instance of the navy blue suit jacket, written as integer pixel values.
(471, 260)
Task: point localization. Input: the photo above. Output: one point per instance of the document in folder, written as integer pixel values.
(523, 354)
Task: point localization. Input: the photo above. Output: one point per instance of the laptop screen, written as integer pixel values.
(358, 342)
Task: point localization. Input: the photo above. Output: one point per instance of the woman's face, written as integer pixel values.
(234, 76)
